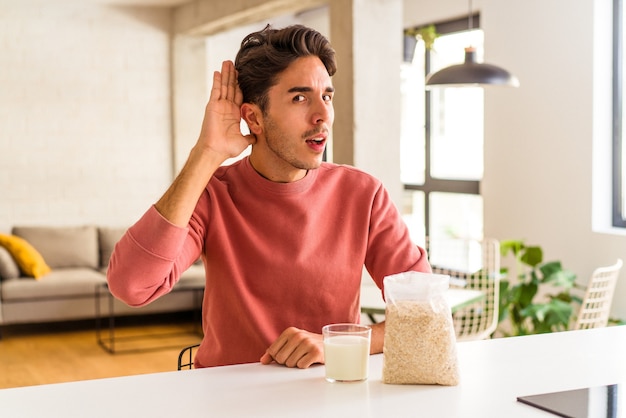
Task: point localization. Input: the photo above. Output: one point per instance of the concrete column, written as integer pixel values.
(367, 36)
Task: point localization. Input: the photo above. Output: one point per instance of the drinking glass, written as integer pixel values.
(346, 352)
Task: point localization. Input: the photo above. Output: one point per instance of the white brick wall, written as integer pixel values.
(85, 133)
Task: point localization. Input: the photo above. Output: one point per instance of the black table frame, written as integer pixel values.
(107, 342)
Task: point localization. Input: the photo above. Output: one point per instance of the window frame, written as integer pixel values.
(433, 185)
(618, 212)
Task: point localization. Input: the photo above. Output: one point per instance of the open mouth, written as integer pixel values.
(316, 144)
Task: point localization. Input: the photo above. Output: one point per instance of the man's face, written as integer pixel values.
(296, 123)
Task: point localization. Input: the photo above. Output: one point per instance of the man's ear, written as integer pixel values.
(253, 117)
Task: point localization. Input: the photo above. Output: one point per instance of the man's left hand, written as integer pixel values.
(295, 348)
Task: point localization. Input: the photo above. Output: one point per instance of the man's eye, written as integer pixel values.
(327, 97)
(299, 98)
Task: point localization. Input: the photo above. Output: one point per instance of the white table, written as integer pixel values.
(493, 374)
(372, 301)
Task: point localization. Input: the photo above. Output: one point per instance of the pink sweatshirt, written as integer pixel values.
(276, 255)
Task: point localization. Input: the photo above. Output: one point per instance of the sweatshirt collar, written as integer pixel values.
(261, 182)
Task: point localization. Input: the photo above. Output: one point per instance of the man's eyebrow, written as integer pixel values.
(298, 89)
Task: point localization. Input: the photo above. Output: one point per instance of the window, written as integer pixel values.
(442, 140)
(619, 171)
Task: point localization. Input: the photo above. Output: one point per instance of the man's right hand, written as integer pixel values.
(221, 131)
(220, 139)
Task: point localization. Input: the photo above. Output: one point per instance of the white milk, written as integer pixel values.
(346, 357)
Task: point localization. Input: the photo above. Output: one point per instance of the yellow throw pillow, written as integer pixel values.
(26, 256)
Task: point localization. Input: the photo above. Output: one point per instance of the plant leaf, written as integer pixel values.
(563, 278)
(511, 245)
(532, 256)
(428, 35)
(548, 317)
(526, 293)
(550, 268)
(559, 316)
(516, 297)
(504, 300)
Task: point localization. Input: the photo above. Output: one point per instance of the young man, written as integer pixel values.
(283, 235)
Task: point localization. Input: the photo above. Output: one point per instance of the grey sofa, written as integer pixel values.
(78, 257)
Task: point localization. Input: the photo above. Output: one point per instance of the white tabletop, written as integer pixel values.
(493, 374)
(372, 299)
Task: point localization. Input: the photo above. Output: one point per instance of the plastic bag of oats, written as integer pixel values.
(420, 344)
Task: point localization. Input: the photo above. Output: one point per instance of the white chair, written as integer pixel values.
(596, 305)
(477, 265)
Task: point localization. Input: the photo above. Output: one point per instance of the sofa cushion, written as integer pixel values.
(60, 283)
(29, 260)
(63, 247)
(8, 268)
(107, 238)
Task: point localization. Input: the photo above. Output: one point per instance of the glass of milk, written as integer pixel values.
(346, 352)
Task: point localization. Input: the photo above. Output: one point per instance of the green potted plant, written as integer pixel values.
(529, 308)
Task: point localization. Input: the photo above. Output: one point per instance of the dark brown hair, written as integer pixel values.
(265, 54)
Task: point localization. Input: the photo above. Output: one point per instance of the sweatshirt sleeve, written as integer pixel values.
(149, 259)
(390, 249)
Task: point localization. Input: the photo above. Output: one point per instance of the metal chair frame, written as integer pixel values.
(185, 357)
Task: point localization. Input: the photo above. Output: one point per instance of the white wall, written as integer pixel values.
(84, 113)
(546, 142)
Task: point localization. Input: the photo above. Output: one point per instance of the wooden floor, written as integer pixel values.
(69, 352)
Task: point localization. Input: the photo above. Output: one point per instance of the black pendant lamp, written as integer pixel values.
(471, 73)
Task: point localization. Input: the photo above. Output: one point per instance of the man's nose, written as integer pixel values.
(322, 111)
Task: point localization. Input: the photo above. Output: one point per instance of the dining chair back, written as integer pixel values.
(185, 357)
(596, 304)
(472, 264)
